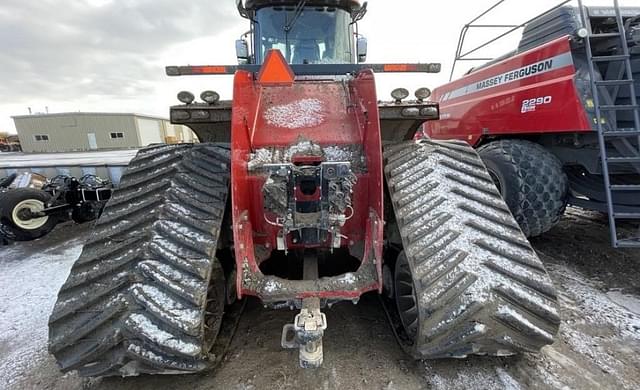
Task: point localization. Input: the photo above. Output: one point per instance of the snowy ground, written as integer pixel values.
(598, 346)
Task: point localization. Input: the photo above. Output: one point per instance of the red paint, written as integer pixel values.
(327, 112)
(497, 111)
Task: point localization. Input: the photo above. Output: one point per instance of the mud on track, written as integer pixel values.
(598, 347)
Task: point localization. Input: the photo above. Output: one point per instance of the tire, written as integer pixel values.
(466, 280)
(16, 229)
(531, 180)
(147, 294)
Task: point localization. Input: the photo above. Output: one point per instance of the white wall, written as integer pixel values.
(149, 131)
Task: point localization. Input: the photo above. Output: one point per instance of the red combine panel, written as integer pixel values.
(557, 120)
(531, 93)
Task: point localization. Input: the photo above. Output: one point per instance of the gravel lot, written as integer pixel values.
(598, 346)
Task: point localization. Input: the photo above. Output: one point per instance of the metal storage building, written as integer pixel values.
(83, 131)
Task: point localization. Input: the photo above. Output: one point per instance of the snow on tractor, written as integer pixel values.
(31, 205)
(304, 192)
(557, 120)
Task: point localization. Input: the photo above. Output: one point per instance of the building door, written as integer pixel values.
(93, 143)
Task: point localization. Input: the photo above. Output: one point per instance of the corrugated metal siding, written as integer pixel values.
(70, 132)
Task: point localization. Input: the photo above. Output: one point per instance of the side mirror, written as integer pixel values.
(362, 49)
(242, 51)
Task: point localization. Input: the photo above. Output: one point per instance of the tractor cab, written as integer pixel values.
(305, 32)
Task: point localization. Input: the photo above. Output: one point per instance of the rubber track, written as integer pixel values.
(481, 288)
(135, 299)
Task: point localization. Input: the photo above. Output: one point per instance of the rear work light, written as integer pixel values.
(399, 93)
(210, 97)
(186, 97)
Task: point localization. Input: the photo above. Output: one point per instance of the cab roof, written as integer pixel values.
(349, 5)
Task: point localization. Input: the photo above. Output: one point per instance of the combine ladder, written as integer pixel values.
(630, 154)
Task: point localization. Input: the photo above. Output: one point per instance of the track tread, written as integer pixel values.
(467, 255)
(135, 300)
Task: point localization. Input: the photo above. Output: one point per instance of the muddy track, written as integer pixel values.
(147, 294)
(473, 284)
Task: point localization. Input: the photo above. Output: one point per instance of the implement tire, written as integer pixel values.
(12, 202)
(531, 180)
(466, 280)
(147, 294)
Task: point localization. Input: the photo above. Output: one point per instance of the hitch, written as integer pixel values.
(308, 327)
(306, 334)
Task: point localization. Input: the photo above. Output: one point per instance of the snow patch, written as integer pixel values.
(597, 307)
(304, 148)
(159, 336)
(179, 313)
(629, 302)
(507, 380)
(473, 378)
(272, 286)
(510, 312)
(300, 114)
(336, 153)
(348, 278)
(28, 289)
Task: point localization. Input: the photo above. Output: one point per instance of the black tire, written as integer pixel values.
(147, 294)
(17, 229)
(467, 281)
(531, 180)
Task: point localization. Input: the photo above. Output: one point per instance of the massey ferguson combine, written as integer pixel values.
(305, 192)
(557, 120)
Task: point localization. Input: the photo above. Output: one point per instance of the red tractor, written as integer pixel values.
(557, 120)
(304, 192)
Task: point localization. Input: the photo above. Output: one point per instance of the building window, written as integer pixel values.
(117, 135)
(41, 137)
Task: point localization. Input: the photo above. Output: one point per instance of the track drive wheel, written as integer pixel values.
(466, 280)
(147, 294)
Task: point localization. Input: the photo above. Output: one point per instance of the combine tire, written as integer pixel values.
(147, 294)
(13, 203)
(466, 280)
(531, 180)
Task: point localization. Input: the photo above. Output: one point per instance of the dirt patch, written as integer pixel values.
(598, 346)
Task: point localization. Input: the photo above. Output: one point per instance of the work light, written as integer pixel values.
(399, 93)
(210, 97)
(422, 94)
(186, 97)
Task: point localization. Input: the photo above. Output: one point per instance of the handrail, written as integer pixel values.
(512, 28)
